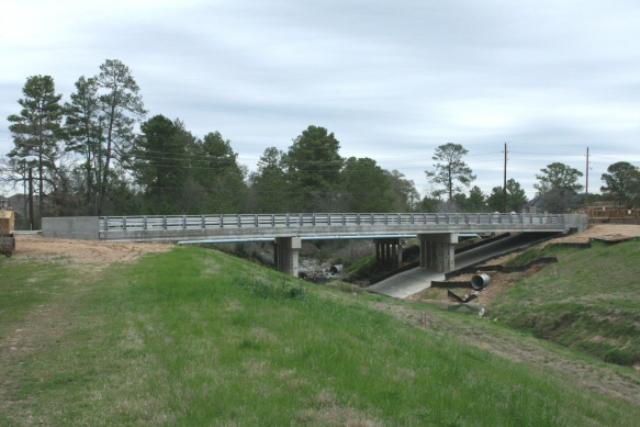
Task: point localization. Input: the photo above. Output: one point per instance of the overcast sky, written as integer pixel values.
(392, 79)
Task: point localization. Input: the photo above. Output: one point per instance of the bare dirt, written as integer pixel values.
(601, 231)
(87, 253)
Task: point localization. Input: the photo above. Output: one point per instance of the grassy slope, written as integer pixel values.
(197, 337)
(589, 301)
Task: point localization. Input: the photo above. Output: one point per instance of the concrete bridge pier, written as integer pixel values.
(389, 251)
(286, 253)
(437, 251)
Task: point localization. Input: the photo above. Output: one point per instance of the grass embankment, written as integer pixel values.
(589, 300)
(196, 337)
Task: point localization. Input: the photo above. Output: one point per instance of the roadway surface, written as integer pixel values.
(417, 279)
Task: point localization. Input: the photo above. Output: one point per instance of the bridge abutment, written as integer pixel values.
(286, 252)
(437, 251)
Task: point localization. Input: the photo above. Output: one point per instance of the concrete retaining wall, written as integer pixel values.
(71, 227)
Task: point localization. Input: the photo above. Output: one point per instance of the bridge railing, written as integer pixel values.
(225, 221)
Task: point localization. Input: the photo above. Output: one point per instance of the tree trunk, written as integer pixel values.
(105, 170)
(40, 187)
(31, 198)
(450, 182)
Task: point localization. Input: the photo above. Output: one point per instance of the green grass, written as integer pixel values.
(25, 286)
(533, 254)
(589, 301)
(196, 337)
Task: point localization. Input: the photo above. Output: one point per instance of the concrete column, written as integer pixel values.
(389, 251)
(437, 251)
(286, 254)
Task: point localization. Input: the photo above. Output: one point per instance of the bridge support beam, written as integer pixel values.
(389, 251)
(286, 253)
(437, 252)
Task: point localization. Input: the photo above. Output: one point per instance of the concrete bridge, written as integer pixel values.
(437, 232)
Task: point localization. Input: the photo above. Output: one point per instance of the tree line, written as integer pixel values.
(558, 188)
(99, 153)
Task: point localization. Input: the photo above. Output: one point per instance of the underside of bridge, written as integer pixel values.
(437, 252)
(389, 251)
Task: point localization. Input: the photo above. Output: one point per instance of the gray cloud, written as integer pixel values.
(392, 80)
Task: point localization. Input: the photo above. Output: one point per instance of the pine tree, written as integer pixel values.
(121, 107)
(84, 133)
(36, 131)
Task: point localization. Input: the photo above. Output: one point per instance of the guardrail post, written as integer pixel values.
(358, 219)
(329, 219)
(144, 223)
(106, 224)
(184, 222)
(372, 219)
(221, 220)
(287, 221)
(203, 222)
(344, 220)
(313, 219)
(239, 221)
(124, 223)
(164, 222)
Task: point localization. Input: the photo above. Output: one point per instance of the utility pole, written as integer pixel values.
(24, 188)
(586, 186)
(504, 181)
(31, 197)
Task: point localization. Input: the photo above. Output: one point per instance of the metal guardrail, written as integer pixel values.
(127, 224)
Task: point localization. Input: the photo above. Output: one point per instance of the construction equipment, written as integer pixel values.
(7, 232)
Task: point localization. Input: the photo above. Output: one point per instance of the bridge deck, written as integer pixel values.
(324, 225)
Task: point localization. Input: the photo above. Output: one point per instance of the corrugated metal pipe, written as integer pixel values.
(480, 281)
